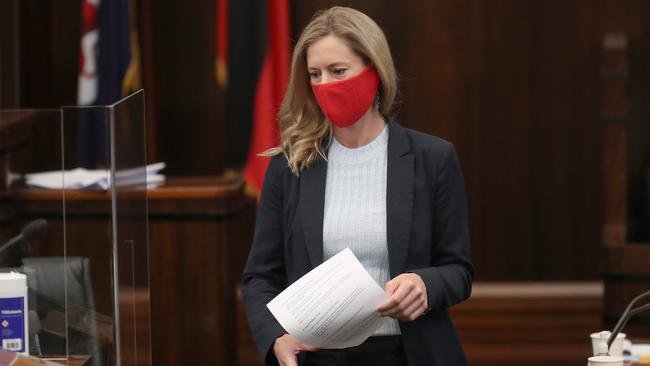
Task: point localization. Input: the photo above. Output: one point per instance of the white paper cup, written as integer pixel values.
(605, 361)
(616, 348)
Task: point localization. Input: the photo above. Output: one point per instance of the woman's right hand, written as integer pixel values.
(286, 348)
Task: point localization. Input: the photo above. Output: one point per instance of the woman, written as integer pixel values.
(345, 175)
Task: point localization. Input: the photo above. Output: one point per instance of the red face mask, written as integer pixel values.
(345, 101)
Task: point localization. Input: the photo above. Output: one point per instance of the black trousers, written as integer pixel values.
(375, 351)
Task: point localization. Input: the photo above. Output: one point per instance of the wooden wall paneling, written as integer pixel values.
(189, 117)
(49, 53)
(442, 83)
(503, 145)
(48, 58)
(9, 37)
(457, 78)
(65, 41)
(565, 150)
(469, 45)
(586, 152)
(144, 23)
(35, 54)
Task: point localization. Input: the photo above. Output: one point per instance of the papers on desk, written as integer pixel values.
(636, 352)
(332, 306)
(98, 180)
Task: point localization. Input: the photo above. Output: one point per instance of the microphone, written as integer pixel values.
(34, 329)
(30, 231)
(627, 314)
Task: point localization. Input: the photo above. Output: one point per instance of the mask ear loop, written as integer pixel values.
(377, 101)
(329, 141)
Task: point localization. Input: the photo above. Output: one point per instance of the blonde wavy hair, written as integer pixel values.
(305, 130)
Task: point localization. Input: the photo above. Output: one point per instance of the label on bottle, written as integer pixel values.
(12, 324)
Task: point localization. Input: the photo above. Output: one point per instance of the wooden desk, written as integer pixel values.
(19, 360)
(200, 233)
(200, 230)
(72, 360)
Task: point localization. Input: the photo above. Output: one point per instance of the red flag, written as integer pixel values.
(271, 86)
(221, 44)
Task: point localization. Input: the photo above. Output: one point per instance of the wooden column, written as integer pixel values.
(626, 270)
(614, 116)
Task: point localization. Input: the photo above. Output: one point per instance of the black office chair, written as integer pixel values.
(48, 277)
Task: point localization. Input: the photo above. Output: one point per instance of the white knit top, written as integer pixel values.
(355, 209)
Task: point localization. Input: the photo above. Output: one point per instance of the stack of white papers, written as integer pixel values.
(98, 180)
(332, 306)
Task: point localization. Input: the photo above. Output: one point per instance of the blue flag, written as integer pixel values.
(113, 55)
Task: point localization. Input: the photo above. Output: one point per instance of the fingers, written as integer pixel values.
(287, 347)
(408, 298)
(402, 293)
(287, 359)
(412, 312)
(290, 361)
(392, 285)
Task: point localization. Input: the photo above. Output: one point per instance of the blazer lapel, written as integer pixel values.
(399, 197)
(312, 207)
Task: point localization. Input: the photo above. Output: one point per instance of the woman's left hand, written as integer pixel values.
(408, 297)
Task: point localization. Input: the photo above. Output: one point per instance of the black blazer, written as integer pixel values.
(427, 234)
